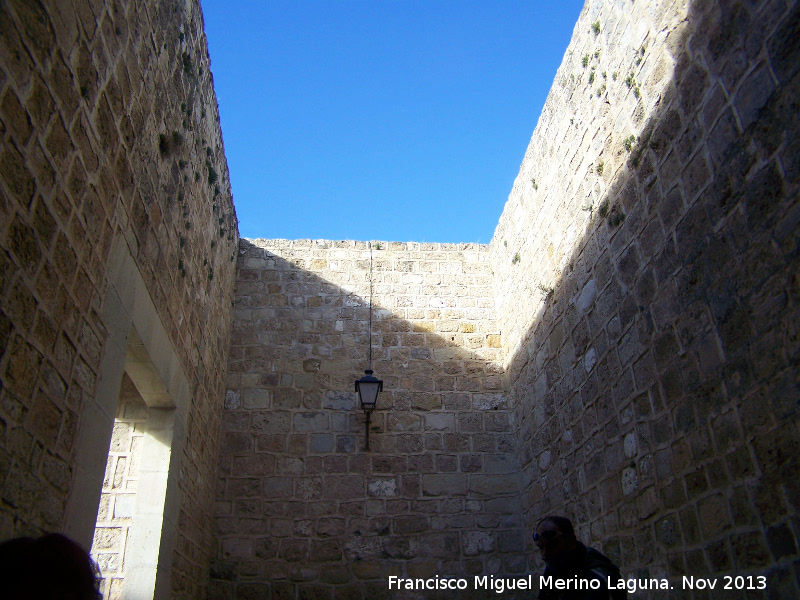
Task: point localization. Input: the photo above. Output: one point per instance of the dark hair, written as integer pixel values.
(51, 567)
(563, 523)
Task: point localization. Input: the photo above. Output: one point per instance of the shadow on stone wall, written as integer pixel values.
(301, 507)
(656, 403)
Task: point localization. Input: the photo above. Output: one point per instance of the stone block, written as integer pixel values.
(310, 421)
(492, 485)
(124, 505)
(444, 484)
(440, 422)
(339, 400)
(404, 422)
(489, 401)
(277, 487)
(477, 542)
(320, 443)
(286, 398)
(271, 422)
(343, 486)
(499, 463)
(257, 399)
(330, 526)
(232, 442)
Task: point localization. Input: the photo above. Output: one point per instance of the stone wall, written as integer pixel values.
(114, 516)
(110, 140)
(302, 508)
(646, 266)
(625, 351)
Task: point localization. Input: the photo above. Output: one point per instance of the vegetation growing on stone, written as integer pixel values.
(628, 142)
(640, 55)
(616, 216)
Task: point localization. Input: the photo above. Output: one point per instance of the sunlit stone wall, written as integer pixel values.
(109, 140)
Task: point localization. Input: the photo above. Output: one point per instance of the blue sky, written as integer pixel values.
(397, 120)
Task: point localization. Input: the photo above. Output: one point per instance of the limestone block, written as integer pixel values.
(444, 485)
(320, 443)
(492, 485)
(440, 422)
(382, 487)
(339, 400)
(477, 542)
(310, 421)
(107, 538)
(254, 399)
(124, 506)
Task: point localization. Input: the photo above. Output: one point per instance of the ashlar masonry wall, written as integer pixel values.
(115, 215)
(302, 509)
(647, 280)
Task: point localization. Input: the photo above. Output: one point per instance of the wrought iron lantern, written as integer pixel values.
(369, 386)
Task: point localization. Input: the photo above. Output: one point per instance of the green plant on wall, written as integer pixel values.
(596, 27)
(628, 142)
(616, 217)
(640, 55)
(516, 259)
(633, 85)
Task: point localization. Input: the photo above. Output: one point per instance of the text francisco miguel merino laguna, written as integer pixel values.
(501, 584)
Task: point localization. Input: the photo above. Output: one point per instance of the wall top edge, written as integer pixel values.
(362, 245)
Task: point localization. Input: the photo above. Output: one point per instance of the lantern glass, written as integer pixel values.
(368, 394)
(368, 388)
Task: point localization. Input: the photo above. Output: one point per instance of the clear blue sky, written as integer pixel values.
(380, 119)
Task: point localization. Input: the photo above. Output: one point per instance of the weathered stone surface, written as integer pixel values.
(623, 352)
(426, 297)
(79, 179)
(630, 262)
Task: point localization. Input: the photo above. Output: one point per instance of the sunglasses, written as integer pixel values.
(546, 536)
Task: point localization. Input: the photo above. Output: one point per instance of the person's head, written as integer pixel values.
(554, 536)
(69, 570)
